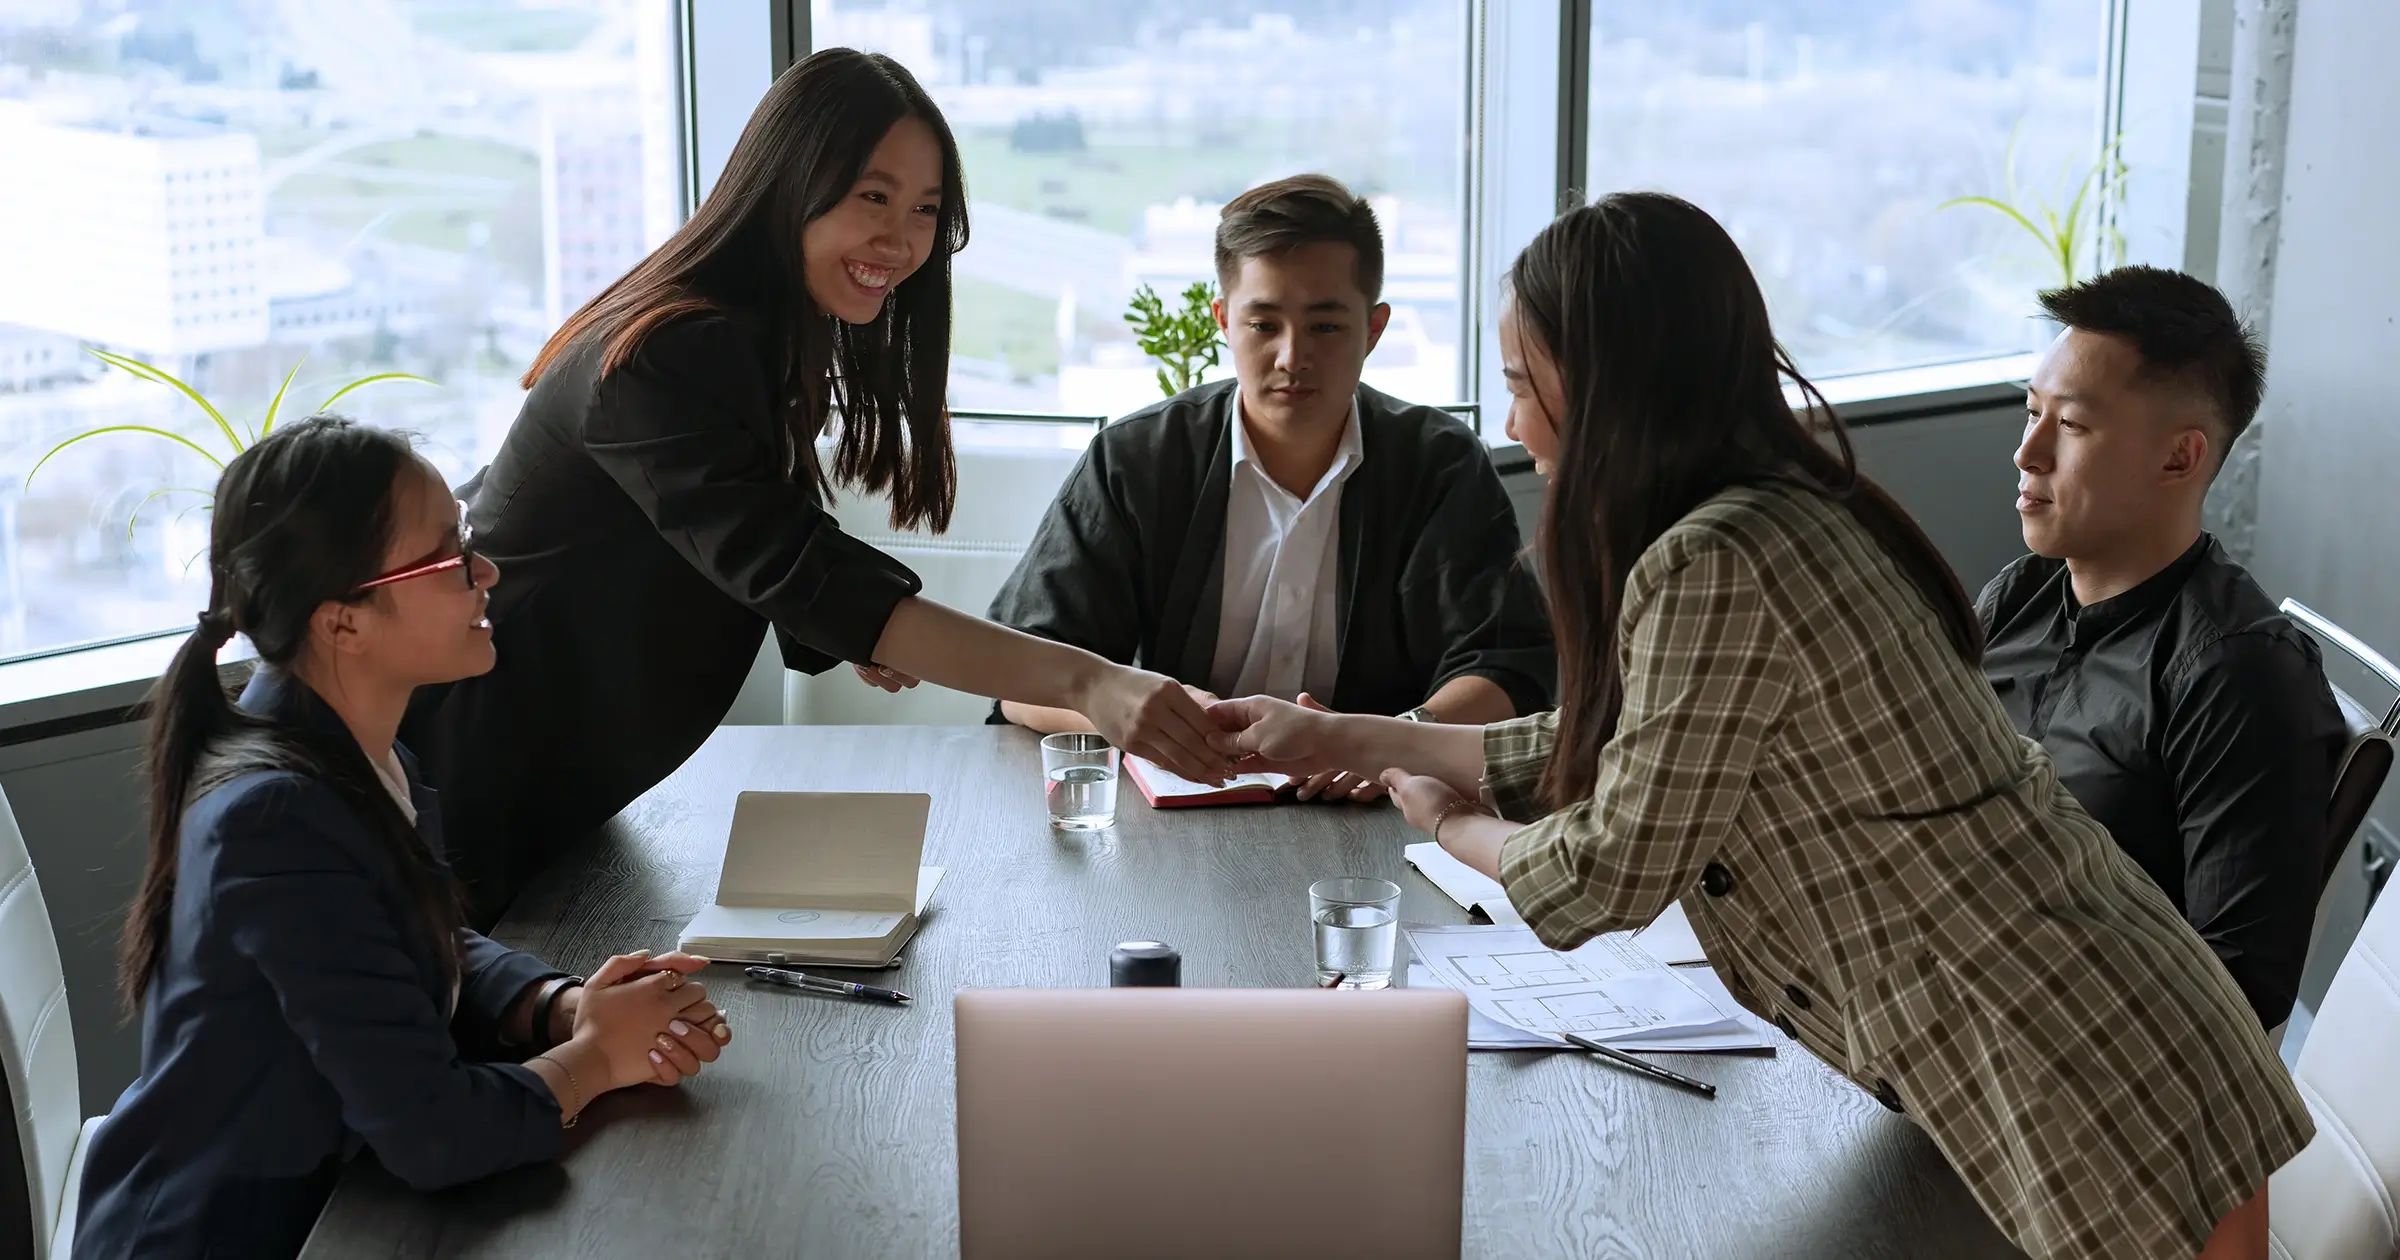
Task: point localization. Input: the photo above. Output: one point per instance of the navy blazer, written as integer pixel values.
(294, 1017)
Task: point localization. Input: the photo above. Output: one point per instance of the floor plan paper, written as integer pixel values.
(1608, 988)
(1669, 937)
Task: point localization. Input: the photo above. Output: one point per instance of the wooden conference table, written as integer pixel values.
(827, 1129)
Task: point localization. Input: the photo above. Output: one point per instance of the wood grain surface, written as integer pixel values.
(827, 1129)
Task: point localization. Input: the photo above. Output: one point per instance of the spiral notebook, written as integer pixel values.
(823, 878)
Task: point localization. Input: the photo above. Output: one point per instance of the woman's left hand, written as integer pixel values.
(705, 1032)
(1421, 797)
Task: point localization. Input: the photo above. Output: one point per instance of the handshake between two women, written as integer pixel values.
(1432, 770)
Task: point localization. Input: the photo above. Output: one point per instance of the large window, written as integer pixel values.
(224, 188)
(1824, 134)
(1101, 138)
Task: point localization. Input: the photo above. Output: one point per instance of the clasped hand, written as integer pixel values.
(647, 1021)
(1303, 740)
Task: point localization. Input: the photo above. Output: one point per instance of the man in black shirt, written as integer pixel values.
(2187, 714)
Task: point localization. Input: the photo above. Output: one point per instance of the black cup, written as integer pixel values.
(1145, 965)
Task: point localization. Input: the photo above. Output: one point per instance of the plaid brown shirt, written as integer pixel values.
(1894, 877)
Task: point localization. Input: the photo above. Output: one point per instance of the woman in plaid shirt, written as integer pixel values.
(1769, 694)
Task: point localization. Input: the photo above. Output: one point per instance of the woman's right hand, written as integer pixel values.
(1279, 736)
(619, 1021)
(1153, 716)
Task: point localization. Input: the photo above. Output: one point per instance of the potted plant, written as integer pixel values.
(1186, 341)
(2085, 225)
(235, 439)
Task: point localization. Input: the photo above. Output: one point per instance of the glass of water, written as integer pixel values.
(1358, 925)
(1079, 775)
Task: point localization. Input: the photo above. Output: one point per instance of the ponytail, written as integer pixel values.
(301, 517)
(189, 713)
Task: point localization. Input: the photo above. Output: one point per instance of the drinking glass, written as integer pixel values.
(1357, 922)
(1079, 775)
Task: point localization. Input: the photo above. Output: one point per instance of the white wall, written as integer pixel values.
(2326, 506)
(2326, 511)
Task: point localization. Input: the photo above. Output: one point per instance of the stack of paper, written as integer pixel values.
(1669, 937)
(1522, 994)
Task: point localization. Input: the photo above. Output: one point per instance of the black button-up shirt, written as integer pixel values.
(2192, 720)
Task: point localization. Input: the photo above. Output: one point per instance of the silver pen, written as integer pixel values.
(821, 984)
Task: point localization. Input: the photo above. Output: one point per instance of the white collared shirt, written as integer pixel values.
(1275, 622)
(387, 769)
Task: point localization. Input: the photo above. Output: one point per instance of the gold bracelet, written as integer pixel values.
(1449, 809)
(572, 1084)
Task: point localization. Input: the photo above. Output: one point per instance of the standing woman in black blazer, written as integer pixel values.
(296, 953)
(660, 502)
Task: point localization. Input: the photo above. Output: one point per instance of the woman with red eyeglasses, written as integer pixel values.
(297, 951)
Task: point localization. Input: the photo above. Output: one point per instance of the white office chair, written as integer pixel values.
(37, 1050)
(2367, 756)
(2335, 1201)
(1002, 493)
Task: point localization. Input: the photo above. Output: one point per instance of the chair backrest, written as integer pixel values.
(37, 1052)
(2367, 755)
(2335, 1201)
(1003, 492)
(2366, 763)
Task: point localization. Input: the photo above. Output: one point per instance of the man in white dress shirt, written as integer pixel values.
(1292, 532)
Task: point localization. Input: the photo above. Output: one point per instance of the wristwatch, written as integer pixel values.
(1420, 714)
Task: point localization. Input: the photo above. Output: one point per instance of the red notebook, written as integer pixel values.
(1165, 789)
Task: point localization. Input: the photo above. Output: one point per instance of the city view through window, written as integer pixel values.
(1777, 117)
(1100, 140)
(224, 187)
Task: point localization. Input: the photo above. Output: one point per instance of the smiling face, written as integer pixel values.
(2111, 457)
(1536, 393)
(881, 231)
(432, 628)
(1300, 329)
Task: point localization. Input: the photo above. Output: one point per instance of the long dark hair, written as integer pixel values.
(301, 517)
(1674, 392)
(803, 149)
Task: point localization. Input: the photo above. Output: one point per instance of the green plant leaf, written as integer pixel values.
(2062, 232)
(275, 404)
(364, 381)
(152, 372)
(131, 520)
(1994, 203)
(87, 434)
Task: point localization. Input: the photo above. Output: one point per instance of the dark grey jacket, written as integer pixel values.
(649, 533)
(1130, 561)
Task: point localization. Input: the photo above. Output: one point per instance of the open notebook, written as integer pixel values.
(1165, 789)
(829, 878)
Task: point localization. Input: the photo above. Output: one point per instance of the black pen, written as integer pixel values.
(1651, 1070)
(820, 984)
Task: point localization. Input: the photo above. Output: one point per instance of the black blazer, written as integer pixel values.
(293, 1019)
(648, 529)
(1130, 560)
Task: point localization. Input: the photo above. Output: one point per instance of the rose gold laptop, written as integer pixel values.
(1210, 1123)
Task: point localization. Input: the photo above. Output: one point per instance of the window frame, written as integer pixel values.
(1524, 154)
(1525, 160)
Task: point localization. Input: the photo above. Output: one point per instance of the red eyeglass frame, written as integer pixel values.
(465, 559)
